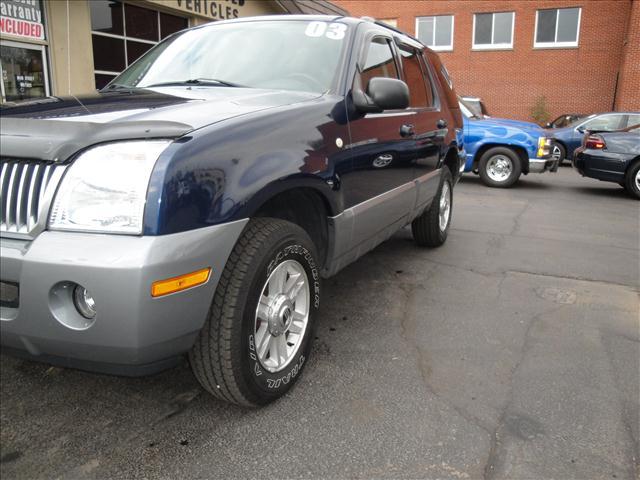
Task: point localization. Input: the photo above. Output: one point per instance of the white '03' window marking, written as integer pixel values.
(334, 31)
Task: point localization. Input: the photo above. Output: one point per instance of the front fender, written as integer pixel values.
(225, 172)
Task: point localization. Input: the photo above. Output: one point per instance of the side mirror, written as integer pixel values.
(382, 94)
(581, 129)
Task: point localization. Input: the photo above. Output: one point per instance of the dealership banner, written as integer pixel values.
(22, 18)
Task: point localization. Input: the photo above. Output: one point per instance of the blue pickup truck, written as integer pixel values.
(194, 204)
(500, 150)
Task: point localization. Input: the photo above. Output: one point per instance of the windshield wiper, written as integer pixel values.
(194, 81)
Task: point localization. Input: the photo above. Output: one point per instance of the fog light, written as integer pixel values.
(85, 304)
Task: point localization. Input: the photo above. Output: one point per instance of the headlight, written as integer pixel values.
(544, 146)
(105, 188)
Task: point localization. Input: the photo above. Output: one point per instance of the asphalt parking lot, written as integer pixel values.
(511, 352)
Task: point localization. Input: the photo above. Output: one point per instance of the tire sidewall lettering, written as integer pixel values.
(265, 380)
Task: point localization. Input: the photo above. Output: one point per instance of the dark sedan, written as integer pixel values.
(611, 157)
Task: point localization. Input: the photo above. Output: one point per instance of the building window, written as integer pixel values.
(436, 32)
(493, 31)
(557, 28)
(392, 22)
(24, 71)
(122, 33)
(23, 60)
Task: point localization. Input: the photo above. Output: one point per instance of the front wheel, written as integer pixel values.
(499, 167)
(257, 337)
(632, 180)
(558, 153)
(431, 228)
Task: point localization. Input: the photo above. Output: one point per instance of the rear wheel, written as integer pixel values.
(632, 180)
(257, 338)
(499, 167)
(431, 228)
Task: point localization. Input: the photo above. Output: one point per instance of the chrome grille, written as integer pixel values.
(25, 188)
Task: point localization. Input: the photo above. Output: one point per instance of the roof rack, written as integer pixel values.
(391, 27)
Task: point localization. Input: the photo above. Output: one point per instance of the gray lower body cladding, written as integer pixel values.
(133, 332)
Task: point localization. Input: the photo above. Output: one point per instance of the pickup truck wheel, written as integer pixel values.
(499, 167)
(632, 180)
(257, 336)
(431, 228)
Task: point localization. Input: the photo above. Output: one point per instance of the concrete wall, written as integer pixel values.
(70, 46)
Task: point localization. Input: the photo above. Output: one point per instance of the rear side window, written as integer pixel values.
(420, 91)
(633, 120)
(606, 122)
(379, 62)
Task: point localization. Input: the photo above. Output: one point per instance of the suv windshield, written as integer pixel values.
(281, 55)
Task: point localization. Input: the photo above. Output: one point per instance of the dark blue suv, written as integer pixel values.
(194, 204)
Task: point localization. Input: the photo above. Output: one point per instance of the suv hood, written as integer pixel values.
(56, 127)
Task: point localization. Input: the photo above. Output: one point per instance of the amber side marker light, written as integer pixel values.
(182, 282)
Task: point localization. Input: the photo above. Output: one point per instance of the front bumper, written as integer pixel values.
(133, 333)
(541, 165)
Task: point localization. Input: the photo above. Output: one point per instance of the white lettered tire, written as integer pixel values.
(257, 337)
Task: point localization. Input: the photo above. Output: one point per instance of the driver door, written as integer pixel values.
(383, 151)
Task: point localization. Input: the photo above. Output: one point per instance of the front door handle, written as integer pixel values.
(442, 123)
(407, 131)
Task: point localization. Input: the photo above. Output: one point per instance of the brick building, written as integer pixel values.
(580, 55)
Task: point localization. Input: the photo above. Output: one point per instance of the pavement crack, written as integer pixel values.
(573, 277)
(408, 332)
(495, 454)
(518, 218)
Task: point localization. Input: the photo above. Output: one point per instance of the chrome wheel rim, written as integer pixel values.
(638, 179)
(445, 206)
(499, 168)
(556, 154)
(282, 316)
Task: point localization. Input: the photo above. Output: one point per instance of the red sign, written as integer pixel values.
(21, 28)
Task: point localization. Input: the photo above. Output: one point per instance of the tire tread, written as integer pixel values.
(211, 354)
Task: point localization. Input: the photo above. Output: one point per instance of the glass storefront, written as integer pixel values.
(24, 71)
(23, 61)
(121, 33)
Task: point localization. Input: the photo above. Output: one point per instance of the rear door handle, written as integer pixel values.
(407, 131)
(442, 123)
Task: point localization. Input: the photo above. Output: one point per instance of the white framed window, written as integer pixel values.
(493, 31)
(557, 28)
(436, 32)
(392, 22)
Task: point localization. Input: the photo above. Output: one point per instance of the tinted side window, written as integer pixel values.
(420, 94)
(633, 120)
(606, 122)
(379, 62)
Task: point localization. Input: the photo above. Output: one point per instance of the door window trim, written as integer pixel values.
(45, 64)
(365, 51)
(426, 77)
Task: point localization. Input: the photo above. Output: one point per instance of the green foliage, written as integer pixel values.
(539, 111)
